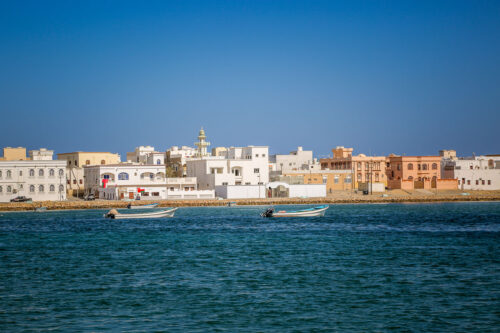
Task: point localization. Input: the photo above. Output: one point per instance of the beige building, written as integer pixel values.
(364, 168)
(76, 160)
(14, 154)
(335, 180)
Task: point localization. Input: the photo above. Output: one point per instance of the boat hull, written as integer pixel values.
(150, 206)
(302, 213)
(152, 215)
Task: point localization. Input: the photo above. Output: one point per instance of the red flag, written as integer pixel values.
(104, 182)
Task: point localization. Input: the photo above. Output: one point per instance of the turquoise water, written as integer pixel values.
(395, 267)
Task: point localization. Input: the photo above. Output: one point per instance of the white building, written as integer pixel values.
(146, 182)
(41, 154)
(176, 159)
(298, 160)
(39, 180)
(146, 155)
(243, 166)
(473, 173)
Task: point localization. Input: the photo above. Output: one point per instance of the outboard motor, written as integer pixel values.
(268, 213)
(129, 206)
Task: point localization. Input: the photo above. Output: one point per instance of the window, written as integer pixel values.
(477, 182)
(410, 166)
(424, 166)
(359, 177)
(325, 179)
(1, 189)
(52, 188)
(256, 170)
(434, 166)
(0, 173)
(105, 176)
(224, 183)
(32, 173)
(103, 162)
(410, 178)
(468, 182)
(482, 182)
(9, 189)
(471, 167)
(359, 165)
(87, 162)
(347, 179)
(419, 167)
(9, 174)
(32, 188)
(69, 162)
(81, 181)
(263, 155)
(61, 188)
(256, 155)
(52, 173)
(158, 161)
(74, 181)
(20, 173)
(68, 182)
(155, 194)
(247, 183)
(336, 179)
(489, 182)
(40, 172)
(40, 188)
(123, 176)
(399, 166)
(61, 172)
(151, 176)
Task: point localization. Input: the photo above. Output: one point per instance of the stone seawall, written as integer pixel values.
(404, 197)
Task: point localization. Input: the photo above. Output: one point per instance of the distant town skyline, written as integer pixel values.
(381, 77)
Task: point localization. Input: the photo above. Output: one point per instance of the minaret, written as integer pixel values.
(202, 144)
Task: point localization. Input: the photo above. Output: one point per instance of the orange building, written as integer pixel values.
(364, 168)
(417, 172)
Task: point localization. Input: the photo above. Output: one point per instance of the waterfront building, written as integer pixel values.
(219, 151)
(472, 173)
(416, 172)
(146, 155)
(76, 161)
(335, 180)
(295, 161)
(243, 166)
(41, 154)
(14, 154)
(364, 169)
(142, 181)
(40, 180)
(176, 160)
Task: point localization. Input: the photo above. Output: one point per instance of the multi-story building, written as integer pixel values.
(295, 161)
(365, 169)
(335, 180)
(416, 172)
(472, 173)
(146, 155)
(14, 154)
(41, 154)
(243, 166)
(139, 181)
(176, 160)
(40, 180)
(76, 161)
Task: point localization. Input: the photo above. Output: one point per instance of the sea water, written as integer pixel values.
(378, 267)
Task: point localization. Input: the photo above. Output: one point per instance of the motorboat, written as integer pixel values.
(114, 214)
(232, 204)
(40, 209)
(148, 206)
(307, 212)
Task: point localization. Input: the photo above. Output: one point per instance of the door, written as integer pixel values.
(131, 195)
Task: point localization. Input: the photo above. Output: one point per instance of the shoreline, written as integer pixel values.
(339, 198)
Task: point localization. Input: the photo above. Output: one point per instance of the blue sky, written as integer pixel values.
(405, 77)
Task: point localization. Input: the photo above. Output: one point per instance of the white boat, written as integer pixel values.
(307, 212)
(40, 209)
(114, 214)
(148, 206)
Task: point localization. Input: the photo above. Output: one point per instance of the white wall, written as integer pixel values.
(240, 191)
(473, 172)
(16, 177)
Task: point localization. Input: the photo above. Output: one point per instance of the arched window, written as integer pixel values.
(424, 166)
(40, 172)
(61, 172)
(9, 189)
(87, 162)
(61, 188)
(103, 162)
(51, 173)
(123, 176)
(158, 161)
(32, 173)
(434, 166)
(1, 189)
(9, 174)
(410, 166)
(410, 178)
(40, 188)
(32, 188)
(52, 188)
